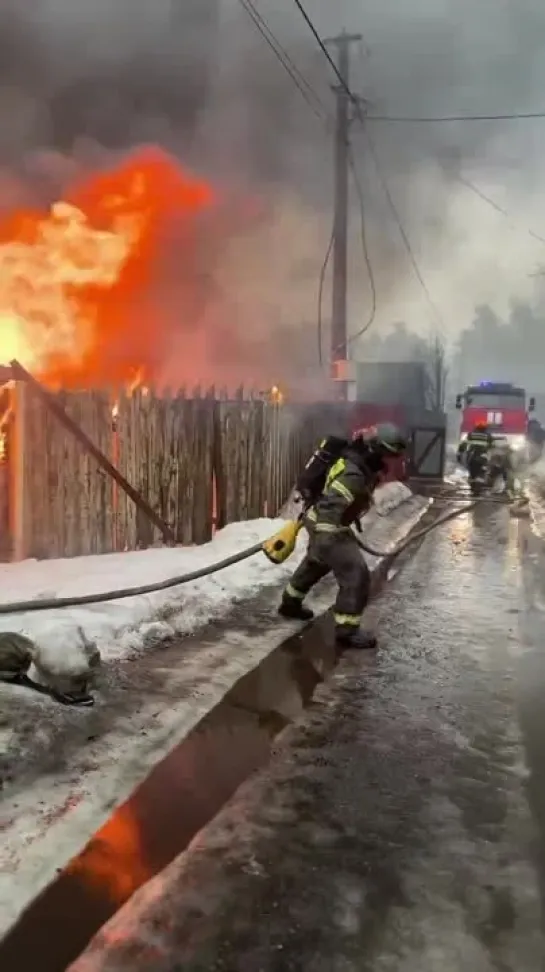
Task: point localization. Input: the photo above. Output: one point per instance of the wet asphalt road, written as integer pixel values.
(400, 826)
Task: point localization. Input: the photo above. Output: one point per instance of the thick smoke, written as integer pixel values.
(79, 81)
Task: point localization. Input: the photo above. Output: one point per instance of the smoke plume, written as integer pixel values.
(81, 83)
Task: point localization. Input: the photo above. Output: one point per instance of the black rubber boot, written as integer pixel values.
(348, 637)
(294, 609)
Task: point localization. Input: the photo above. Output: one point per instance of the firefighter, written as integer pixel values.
(333, 547)
(500, 465)
(474, 452)
(478, 443)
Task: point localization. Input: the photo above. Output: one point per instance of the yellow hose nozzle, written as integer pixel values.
(281, 546)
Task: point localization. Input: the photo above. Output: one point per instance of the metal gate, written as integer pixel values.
(427, 452)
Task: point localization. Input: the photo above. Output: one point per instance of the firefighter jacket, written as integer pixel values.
(482, 439)
(476, 441)
(347, 494)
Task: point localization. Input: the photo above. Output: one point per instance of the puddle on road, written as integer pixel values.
(179, 797)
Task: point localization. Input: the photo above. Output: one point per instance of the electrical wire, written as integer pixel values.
(321, 283)
(308, 93)
(366, 257)
(406, 242)
(357, 102)
(312, 100)
(496, 206)
(439, 119)
(300, 82)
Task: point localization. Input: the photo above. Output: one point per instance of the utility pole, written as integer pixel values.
(339, 349)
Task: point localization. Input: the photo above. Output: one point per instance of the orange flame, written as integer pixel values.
(276, 395)
(74, 281)
(112, 861)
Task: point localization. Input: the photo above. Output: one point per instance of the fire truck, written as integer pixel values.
(500, 406)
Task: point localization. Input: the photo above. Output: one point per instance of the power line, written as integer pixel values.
(300, 82)
(313, 100)
(366, 257)
(438, 119)
(496, 206)
(321, 283)
(321, 44)
(403, 234)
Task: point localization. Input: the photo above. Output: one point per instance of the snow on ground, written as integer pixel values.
(535, 491)
(67, 769)
(120, 628)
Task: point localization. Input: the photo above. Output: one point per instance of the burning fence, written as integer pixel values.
(170, 468)
(95, 293)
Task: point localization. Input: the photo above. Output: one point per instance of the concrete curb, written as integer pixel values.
(94, 759)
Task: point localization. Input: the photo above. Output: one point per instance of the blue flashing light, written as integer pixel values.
(484, 384)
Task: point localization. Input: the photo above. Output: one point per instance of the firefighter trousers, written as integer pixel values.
(338, 553)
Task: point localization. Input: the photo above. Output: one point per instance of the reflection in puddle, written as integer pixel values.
(178, 798)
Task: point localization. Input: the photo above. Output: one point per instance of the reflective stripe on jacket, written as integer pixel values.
(346, 495)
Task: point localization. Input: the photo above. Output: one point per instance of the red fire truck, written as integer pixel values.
(500, 406)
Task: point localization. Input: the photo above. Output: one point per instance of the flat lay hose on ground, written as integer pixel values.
(49, 604)
(420, 534)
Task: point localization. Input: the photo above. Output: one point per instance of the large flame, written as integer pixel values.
(75, 282)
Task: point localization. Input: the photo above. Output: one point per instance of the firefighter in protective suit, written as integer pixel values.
(478, 443)
(332, 546)
(487, 457)
(500, 466)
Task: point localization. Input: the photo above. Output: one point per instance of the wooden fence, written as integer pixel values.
(200, 462)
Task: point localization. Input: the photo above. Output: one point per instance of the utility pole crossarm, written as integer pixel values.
(344, 39)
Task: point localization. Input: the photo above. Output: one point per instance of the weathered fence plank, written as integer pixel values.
(172, 449)
(68, 499)
(165, 449)
(241, 460)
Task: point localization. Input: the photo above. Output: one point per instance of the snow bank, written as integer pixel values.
(536, 475)
(119, 628)
(534, 489)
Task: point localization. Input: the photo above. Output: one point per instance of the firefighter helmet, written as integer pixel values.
(385, 438)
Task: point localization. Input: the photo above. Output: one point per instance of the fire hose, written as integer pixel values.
(290, 532)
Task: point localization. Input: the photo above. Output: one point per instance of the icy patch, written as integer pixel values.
(535, 491)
